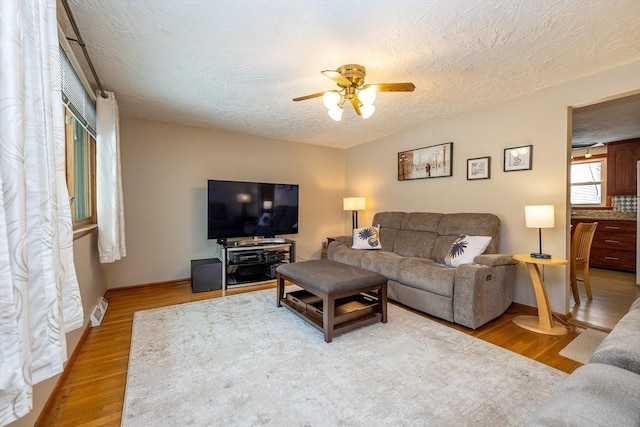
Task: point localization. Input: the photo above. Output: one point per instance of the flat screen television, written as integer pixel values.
(237, 209)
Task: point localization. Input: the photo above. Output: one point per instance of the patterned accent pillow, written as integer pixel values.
(465, 249)
(366, 238)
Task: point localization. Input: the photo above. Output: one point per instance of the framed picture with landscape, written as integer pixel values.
(479, 168)
(427, 162)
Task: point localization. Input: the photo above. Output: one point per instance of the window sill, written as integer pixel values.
(83, 231)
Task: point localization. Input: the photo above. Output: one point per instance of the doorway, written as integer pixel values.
(592, 127)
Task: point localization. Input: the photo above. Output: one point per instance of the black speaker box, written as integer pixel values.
(206, 275)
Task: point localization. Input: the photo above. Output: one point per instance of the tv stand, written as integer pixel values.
(262, 241)
(252, 262)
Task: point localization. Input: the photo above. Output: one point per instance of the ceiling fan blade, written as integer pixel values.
(315, 95)
(337, 77)
(356, 105)
(392, 87)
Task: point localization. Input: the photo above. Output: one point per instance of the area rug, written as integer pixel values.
(583, 346)
(242, 361)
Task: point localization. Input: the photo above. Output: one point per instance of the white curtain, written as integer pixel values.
(110, 207)
(39, 294)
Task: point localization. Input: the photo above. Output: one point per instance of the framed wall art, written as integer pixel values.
(427, 162)
(479, 168)
(518, 158)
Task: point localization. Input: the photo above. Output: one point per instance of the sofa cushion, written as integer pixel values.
(476, 224)
(414, 271)
(388, 219)
(366, 238)
(593, 395)
(465, 248)
(384, 262)
(417, 235)
(621, 347)
(422, 221)
(344, 254)
(415, 243)
(388, 238)
(389, 223)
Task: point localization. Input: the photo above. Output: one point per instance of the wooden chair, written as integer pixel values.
(580, 252)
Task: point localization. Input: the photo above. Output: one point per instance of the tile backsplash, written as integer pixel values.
(624, 203)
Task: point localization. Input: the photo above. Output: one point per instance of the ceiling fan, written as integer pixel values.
(350, 80)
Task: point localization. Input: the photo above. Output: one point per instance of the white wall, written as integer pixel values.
(165, 168)
(539, 119)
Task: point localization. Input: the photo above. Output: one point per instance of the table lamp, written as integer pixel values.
(354, 204)
(539, 216)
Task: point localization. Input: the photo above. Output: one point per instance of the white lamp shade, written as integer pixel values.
(267, 204)
(539, 216)
(354, 203)
(367, 111)
(331, 98)
(336, 113)
(367, 96)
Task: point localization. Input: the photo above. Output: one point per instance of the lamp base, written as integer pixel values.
(540, 256)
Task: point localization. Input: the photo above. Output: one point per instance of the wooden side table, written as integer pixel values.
(543, 323)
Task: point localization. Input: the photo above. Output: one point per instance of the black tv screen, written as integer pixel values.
(247, 209)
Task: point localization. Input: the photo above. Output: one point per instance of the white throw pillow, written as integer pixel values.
(366, 238)
(465, 249)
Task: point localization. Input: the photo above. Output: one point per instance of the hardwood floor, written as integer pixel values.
(93, 393)
(613, 292)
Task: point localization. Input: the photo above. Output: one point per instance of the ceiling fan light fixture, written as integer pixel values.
(367, 111)
(588, 155)
(336, 113)
(331, 98)
(367, 96)
(350, 81)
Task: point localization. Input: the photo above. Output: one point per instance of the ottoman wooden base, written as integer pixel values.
(336, 297)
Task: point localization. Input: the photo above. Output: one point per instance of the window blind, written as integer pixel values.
(75, 97)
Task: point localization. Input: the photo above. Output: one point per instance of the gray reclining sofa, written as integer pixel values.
(413, 248)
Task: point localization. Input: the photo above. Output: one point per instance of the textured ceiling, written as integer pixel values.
(608, 121)
(236, 65)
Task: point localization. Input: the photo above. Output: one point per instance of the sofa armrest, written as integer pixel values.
(621, 347)
(481, 292)
(493, 260)
(593, 395)
(345, 240)
(338, 244)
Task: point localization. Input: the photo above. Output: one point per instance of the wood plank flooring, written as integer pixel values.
(613, 292)
(93, 393)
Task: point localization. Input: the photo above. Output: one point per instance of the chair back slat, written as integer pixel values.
(580, 252)
(581, 241)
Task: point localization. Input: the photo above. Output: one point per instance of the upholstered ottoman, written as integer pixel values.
(335, 297)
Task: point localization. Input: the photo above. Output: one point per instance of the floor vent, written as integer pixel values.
(98, 312)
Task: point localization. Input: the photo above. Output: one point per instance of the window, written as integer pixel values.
(80, 125)
(81, 182)
(587, 183)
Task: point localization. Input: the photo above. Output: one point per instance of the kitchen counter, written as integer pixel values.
(604, 215)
